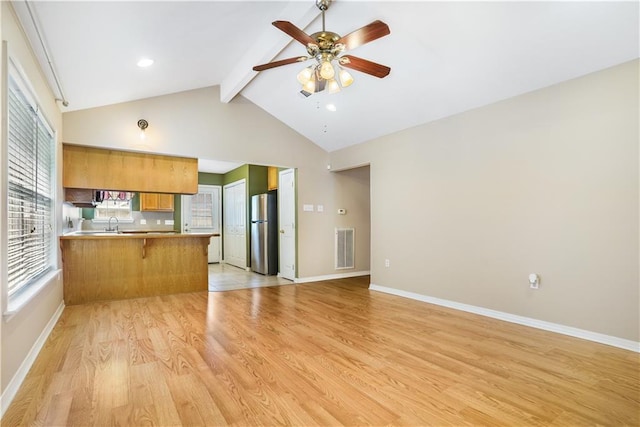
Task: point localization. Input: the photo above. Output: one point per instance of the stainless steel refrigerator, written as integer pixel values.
(264, 233)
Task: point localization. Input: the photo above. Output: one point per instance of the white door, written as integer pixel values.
(235, 224)
(201, 213)
(287, 222)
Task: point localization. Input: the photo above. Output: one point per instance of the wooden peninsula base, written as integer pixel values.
(124, 266)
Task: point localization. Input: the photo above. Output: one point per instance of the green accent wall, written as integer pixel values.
(135, 202)
(256, 183)
(236, 175)
(210, 178)
(257, 180)
(88, 213)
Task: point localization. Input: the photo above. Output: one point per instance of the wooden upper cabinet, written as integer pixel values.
(99, 168)
(156, 202)
(272, 178)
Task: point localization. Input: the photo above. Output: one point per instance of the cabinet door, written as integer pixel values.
(148, 201)
(97, 168)
(165, 202)
(156, 202)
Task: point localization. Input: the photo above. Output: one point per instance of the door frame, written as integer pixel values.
(294, 214)
(184, 210)
(225, 242)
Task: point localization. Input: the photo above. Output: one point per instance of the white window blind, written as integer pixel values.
(202, 210)
(30, 158)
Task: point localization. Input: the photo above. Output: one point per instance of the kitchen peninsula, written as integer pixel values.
(106, 266)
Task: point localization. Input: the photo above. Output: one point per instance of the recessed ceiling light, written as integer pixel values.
(331, 107)
(145, 62)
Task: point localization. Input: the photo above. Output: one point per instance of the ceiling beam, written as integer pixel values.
(266, 47)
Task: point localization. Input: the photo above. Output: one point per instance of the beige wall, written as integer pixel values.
(19, 334)
(352, 193)
(547, 182)
(197, 124)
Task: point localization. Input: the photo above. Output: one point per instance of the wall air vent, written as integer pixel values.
(345, 242)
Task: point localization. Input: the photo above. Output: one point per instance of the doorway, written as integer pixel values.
(201, 213)
(287, 222)
(235, 224)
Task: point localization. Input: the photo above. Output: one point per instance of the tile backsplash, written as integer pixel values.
(153, 221)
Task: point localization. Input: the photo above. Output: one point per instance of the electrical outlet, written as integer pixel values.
(143, 222)
(158, 222)
(386, 263)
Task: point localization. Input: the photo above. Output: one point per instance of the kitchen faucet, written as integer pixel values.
(109, 226)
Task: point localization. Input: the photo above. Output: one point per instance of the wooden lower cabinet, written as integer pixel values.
(156, 202)
(104, 268)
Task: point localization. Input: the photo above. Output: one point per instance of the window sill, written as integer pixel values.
(18, 301)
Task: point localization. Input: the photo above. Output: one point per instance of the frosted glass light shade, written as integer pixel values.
(333, 86)
(345, 78)
(305, 75)
(326, 70)
(309, 86)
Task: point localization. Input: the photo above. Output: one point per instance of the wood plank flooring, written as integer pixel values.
(326, 353)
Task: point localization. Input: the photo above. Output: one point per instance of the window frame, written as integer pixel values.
(11, 70)
(104, 206)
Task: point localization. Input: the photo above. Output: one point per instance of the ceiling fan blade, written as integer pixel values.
(366, 34)
(280, 63)
(359, 64)
(294, 32)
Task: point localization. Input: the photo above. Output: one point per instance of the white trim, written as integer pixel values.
(521, 320)
(4, 176)
(331, 277)
(14, 385)
(18, 301)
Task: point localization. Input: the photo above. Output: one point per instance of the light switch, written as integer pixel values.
(320, 208)
(307, 208)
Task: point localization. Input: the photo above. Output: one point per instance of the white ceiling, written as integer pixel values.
(445, 57)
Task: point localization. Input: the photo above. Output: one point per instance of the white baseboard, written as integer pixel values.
(18, 378)
(331, 276)
(521, 320)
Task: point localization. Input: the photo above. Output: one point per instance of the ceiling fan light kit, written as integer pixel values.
(326, 47)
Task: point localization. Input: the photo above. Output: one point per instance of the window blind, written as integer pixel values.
(30, 158)
(202, 210)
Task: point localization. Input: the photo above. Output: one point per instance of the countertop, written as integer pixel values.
(132, 235)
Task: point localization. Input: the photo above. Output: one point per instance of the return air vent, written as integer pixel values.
(345, 248)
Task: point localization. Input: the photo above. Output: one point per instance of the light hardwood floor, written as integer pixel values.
(327, 353)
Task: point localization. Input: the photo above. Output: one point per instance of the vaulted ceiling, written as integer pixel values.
(445, 57)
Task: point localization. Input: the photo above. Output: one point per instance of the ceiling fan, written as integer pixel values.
(325, 47)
